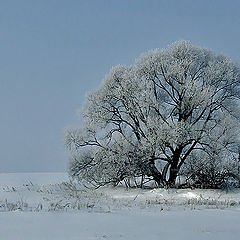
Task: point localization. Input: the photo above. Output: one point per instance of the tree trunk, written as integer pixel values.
(174, 166)
(153, 172)
(173, 175)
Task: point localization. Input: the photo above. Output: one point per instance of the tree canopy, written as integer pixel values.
(173, 106)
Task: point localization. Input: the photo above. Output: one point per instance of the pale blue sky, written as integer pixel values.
(52, 52)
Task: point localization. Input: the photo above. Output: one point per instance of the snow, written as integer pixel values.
(197, 225)
(191, 195)
(110, 213)
(16, 179)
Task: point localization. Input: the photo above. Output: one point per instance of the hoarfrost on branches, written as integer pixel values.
(173, 107)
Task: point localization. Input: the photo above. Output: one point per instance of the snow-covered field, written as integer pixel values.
(46, 206)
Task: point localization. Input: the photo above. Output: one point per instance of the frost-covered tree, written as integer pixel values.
(150, 118)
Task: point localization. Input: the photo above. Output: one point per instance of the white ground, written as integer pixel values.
(39, 207)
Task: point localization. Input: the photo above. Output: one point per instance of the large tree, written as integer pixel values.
(150, 118)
